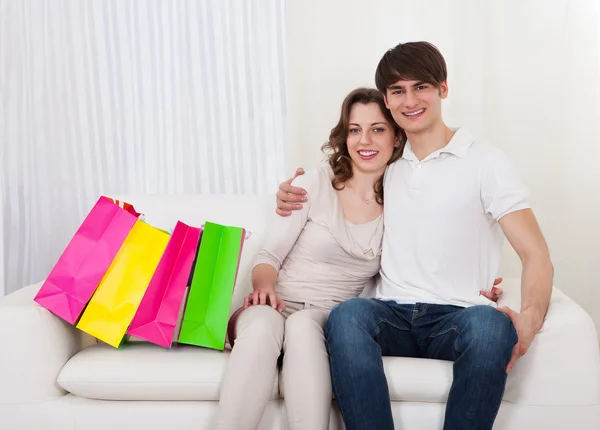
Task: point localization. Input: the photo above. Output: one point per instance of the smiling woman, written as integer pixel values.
(322, 255)
(364, 124)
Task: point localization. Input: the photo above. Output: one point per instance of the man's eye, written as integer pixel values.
(397, 92)
(421, 87)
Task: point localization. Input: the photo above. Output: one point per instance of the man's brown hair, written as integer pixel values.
(412, 61)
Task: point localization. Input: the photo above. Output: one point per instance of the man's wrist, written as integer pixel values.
(535, 317)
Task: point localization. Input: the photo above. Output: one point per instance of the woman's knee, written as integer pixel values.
(305, 326)
(307, 319)
(261, 323)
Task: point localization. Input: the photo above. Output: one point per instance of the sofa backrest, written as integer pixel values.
(250, 212)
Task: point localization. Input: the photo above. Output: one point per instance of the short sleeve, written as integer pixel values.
(502, 190)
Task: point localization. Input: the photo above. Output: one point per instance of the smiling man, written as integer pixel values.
(449, 202)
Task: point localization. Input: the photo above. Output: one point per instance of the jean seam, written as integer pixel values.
(378, 330)
(455, 346)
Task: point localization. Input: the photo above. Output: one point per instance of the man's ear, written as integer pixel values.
(385, 100)
(444, 89)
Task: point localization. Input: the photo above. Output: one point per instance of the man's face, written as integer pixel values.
(416, 105)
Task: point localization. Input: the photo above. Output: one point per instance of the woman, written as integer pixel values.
(323, 254)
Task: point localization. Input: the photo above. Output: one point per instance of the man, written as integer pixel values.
(449, 202)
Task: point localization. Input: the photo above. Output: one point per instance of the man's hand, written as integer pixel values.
(525, 324)
(288, 196)
(496, 292)
(264, 296)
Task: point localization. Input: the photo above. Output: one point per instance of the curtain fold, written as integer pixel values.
(112, 96)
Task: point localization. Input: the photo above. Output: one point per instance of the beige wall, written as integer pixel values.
(529, 86)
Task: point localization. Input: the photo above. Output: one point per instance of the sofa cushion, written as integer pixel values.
(417, 379)
(142, 371)
(413, 379)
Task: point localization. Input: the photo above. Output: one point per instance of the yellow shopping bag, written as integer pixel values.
(115, 302)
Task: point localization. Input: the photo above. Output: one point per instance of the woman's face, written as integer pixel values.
(371, 139)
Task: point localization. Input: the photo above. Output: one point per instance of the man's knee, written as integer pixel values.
(350, 315)
(488, 332)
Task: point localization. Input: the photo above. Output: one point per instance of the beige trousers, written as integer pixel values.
(252, 368)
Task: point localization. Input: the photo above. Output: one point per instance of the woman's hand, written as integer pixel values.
(495, 293)
(264, 296)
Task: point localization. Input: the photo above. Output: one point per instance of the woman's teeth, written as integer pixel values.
(367, 153)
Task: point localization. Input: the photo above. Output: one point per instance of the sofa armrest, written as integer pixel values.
(562, 366)
(35, 346)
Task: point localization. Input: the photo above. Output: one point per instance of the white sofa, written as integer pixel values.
(52, 377)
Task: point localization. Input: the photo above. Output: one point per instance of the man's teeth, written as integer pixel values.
(367, 153)
(414, 113)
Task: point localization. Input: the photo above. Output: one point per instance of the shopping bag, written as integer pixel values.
(117, 298)
(207, 310)
(80, 268)
(156, 317)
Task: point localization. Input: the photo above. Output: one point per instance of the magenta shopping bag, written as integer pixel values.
(80, 268)
(156, 318)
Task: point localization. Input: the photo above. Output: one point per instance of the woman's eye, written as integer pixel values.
(354, 130)
(378, 130)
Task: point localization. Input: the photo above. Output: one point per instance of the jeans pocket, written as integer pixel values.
(446, 330)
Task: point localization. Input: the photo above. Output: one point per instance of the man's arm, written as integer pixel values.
(525, 236)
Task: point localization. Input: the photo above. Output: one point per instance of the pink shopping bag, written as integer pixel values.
(80, 268)
(156, 318)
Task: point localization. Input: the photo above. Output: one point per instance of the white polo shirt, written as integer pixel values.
(442, 242)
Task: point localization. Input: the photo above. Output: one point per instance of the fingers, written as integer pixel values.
(290, 196)
(273, 299)
(508, 312)
(289, 202)
(299, 172)
(487, 294)
(290, 189)
(263, 298)
(288, 206)
(513, 358)
(254, 299)
(246, 302)
(498, 281)
(281, 195)
(281, 306)
(497, 291)
(281, 212)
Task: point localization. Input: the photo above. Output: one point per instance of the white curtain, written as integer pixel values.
(122, 96)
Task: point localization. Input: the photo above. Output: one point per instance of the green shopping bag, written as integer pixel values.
(213, 280)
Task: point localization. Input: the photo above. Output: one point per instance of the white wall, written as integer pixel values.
(522, 74)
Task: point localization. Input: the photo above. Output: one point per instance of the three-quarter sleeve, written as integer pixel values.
(284, 231)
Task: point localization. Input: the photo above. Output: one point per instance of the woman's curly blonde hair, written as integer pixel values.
(336, 148)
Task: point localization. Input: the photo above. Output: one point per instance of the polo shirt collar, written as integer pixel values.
(458, 145)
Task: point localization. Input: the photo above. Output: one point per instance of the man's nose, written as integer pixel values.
(410, 100)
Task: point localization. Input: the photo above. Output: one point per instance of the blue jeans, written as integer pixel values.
(479, 340)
